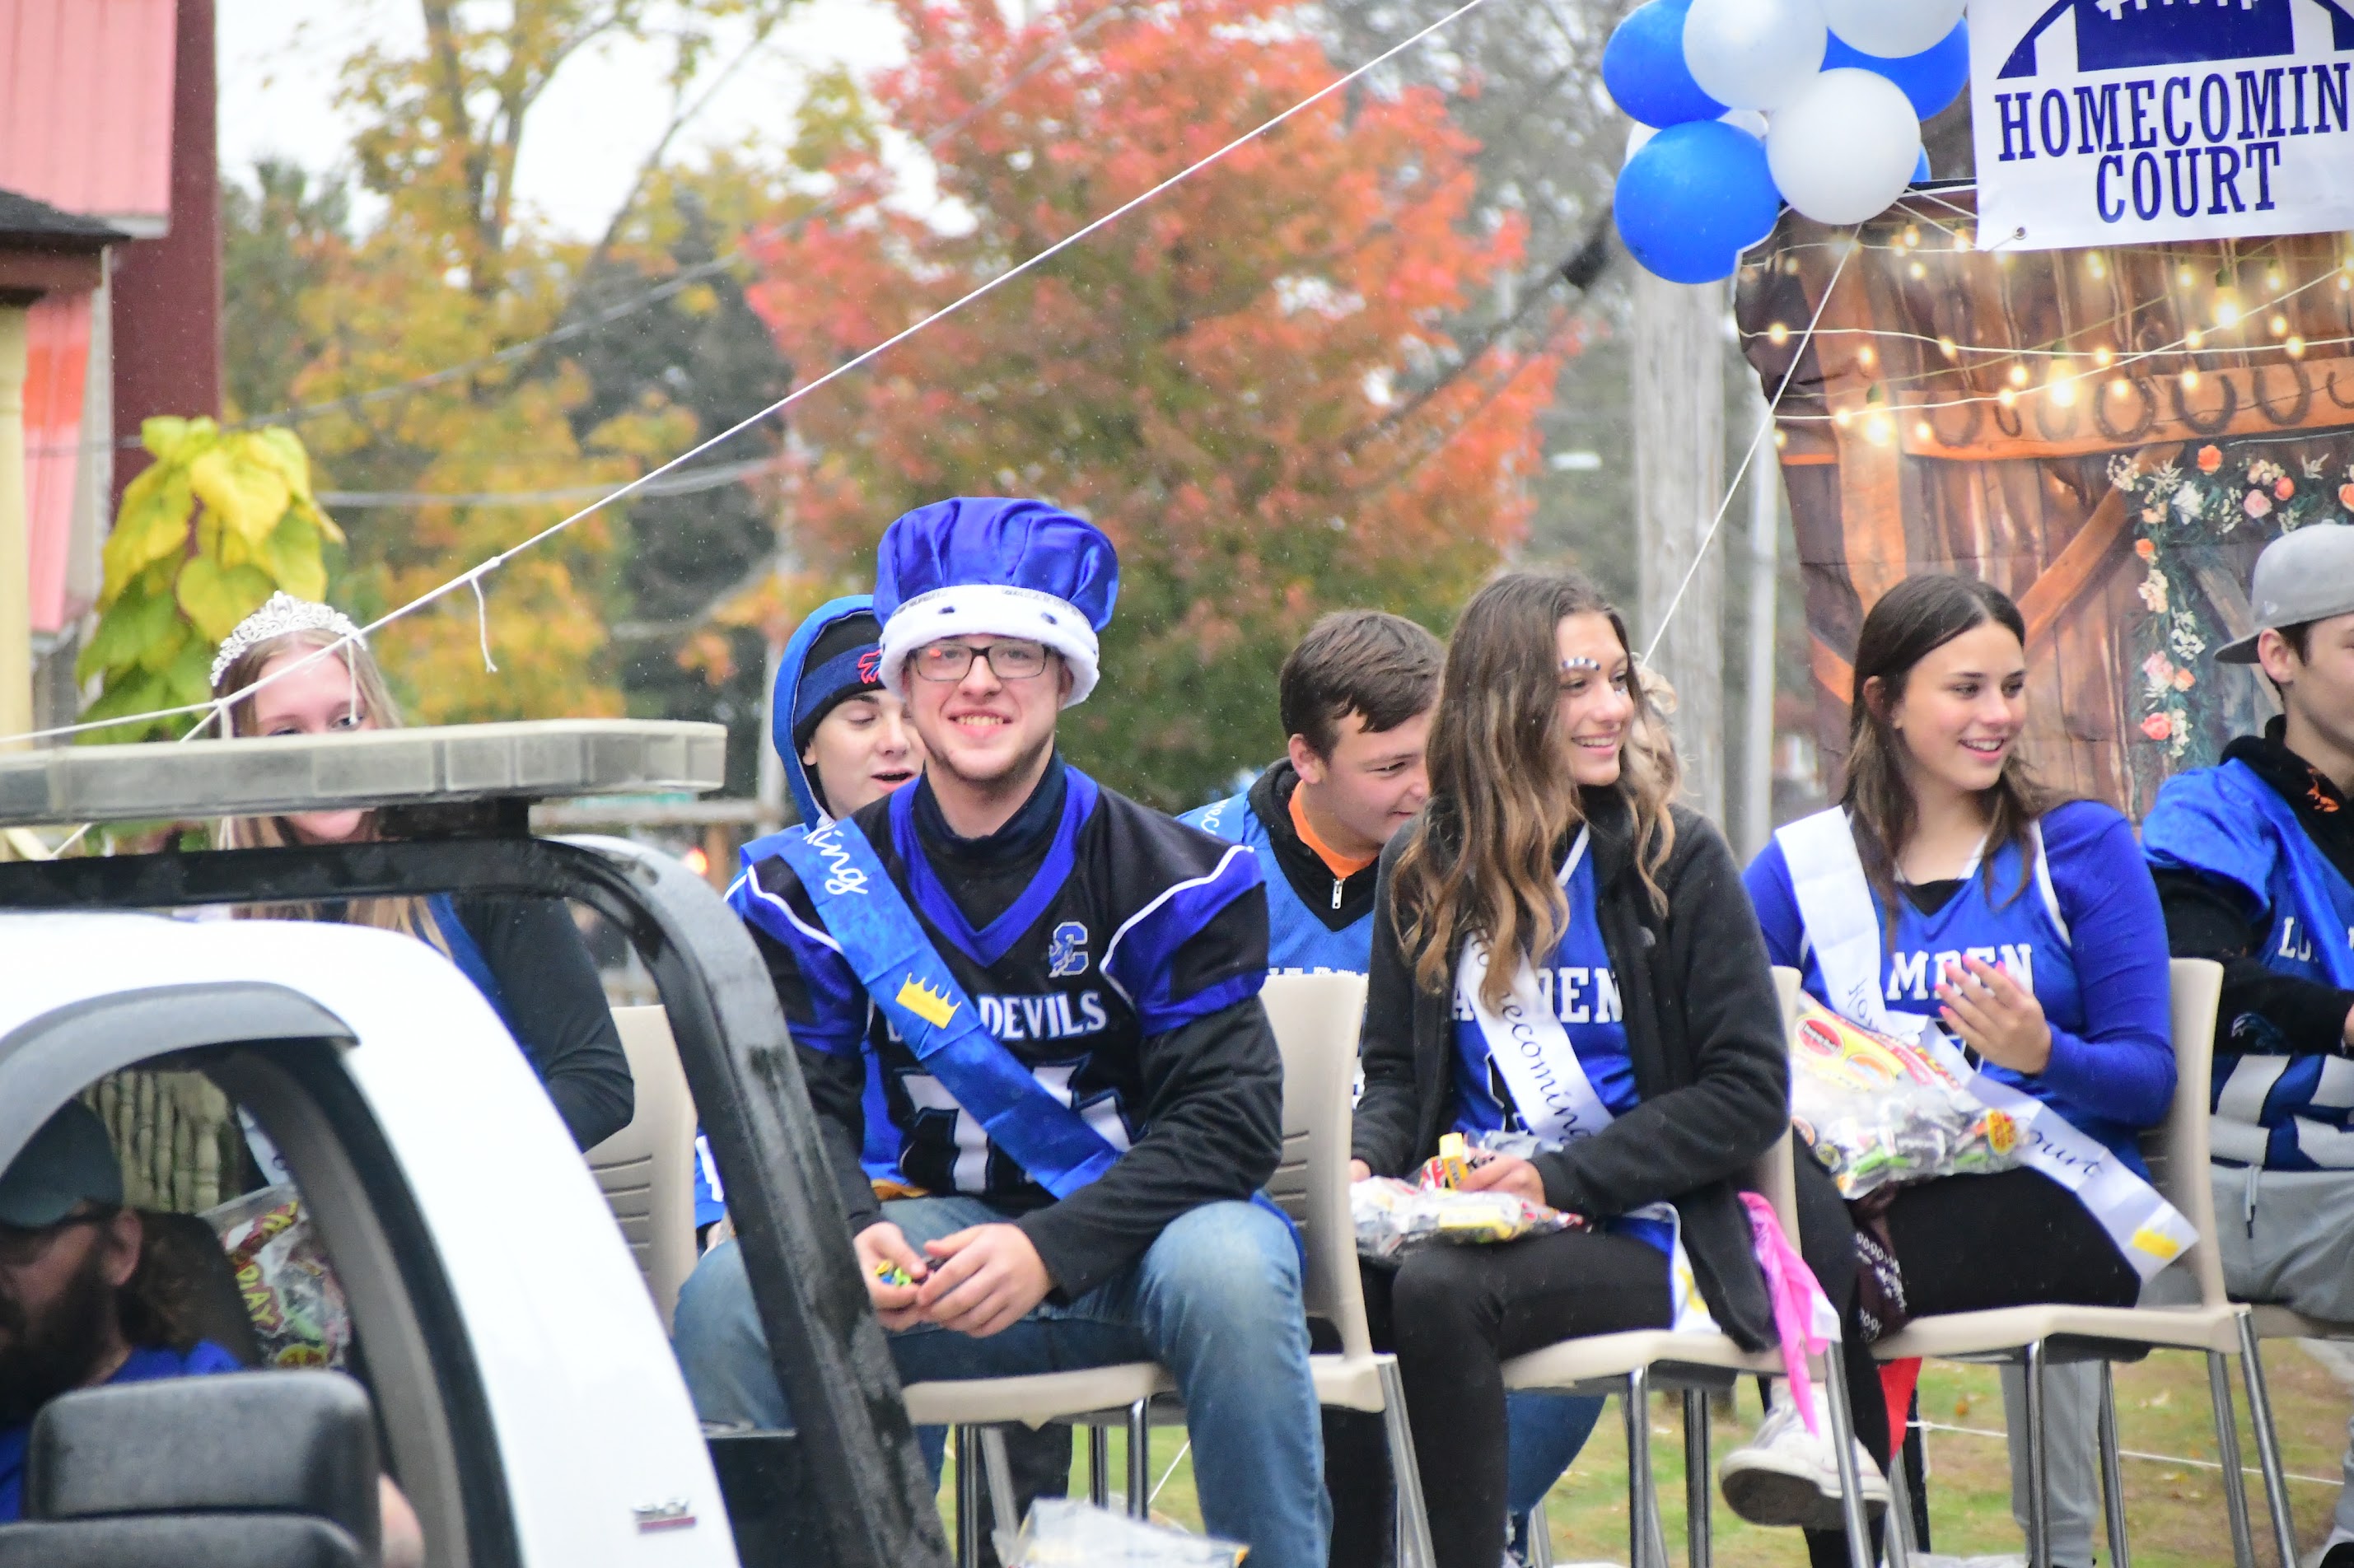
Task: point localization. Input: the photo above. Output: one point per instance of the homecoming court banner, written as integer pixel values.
(2134, 122)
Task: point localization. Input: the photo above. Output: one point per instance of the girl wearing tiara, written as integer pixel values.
(298, 667)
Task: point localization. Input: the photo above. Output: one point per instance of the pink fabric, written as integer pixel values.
(1802, 1314)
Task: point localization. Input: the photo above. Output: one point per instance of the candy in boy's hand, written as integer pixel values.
(891, 1273)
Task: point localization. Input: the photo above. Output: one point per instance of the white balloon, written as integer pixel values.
(1638, 133)
(1846, 147)
(1755, 54)
(1893, 28)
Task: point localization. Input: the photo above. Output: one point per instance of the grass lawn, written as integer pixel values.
(2174, 1510)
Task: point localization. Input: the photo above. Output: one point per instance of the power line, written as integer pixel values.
(472, 577)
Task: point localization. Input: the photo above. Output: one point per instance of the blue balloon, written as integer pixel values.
(1921, 174)
(1693, 200)
(1643, 67)
(1932, 78)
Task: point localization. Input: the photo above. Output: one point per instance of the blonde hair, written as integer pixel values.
(372, 698)
(1481, 862)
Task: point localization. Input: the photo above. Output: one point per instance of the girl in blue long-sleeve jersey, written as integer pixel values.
(1948, 886)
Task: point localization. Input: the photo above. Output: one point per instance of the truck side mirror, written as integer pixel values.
(271, 1469)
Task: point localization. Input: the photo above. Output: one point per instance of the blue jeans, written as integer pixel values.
(1547, 1432)
(1215, 1301)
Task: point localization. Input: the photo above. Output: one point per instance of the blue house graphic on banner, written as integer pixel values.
(2116, 35)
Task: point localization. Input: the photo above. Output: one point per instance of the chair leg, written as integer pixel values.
(2268, 1455)
(2227, 1450)
(1413, 1548)
(1098, 1464)
(2113, 1488)
(1852, 1510)
(1637, 1404)
(997, 1472)
(2038, 1470)
(967, 1464)
(1540, 1537)
(1697, 1541)
(1897, 1529)
(1139, 1460)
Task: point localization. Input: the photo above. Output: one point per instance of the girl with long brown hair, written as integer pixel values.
(1949, 897)
(301, 668)
(1560, 950)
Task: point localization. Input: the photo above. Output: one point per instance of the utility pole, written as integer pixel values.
(1679, 406)
(1758, 694)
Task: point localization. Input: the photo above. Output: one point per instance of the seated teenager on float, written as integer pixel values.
(1948, 891)
(1553, 870)
(312, 674)
(843, 741)
(2255, 861)
(1050, 1132)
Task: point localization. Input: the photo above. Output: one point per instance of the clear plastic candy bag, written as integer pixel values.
(1392, 1216)
(291, 1292)
(1879, 1110)
(1061, 1534)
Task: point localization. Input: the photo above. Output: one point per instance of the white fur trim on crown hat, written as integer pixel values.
(990, 610)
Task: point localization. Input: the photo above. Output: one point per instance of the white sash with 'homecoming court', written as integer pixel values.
(1554, 1098)
(1843, 928)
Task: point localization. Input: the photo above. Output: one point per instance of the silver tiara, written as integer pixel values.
(282, 616)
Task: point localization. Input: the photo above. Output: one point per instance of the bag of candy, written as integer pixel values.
(1392, 1216)
(291, 1292)
(1880, 1110)
(1063, 1533)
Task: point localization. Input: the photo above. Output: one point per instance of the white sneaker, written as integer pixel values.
(1787, 1476)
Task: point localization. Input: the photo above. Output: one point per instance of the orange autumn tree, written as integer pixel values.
(1249, 383)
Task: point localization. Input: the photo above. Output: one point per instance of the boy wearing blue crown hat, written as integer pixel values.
(1027, 1010)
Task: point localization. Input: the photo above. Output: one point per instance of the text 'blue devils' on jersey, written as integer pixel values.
(1131, 926)
(2284, 1111)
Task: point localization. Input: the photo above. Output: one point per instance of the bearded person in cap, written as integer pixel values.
(1027, 1010)
(2254, 863)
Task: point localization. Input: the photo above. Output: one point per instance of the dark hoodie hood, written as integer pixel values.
(792, 668)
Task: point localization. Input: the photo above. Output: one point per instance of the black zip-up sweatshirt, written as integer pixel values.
(1703, 1027)
(2206, 919)
(1340, 902)
(1213, 1117)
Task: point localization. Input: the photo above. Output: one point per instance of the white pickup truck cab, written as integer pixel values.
(524, 1391)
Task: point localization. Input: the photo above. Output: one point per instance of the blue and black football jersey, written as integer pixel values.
(1117, 926)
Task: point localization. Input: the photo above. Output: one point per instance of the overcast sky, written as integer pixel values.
(279, 60)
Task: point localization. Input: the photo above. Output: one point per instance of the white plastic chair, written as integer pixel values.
(2222, 1329)
(1630, 1364)
(646, 1171)
(1317, 1019)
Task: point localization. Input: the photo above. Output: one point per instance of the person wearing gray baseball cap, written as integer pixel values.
(2254, 863)
(71, 1312)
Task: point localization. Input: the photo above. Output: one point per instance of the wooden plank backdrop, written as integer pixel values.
(2111, 436)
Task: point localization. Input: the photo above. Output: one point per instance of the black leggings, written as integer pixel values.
(1964, 1244)
(1454, 1314)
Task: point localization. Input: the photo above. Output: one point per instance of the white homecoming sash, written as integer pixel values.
(1843, 930)
(1554, 1098)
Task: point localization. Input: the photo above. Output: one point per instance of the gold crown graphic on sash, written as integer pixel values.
(932, 1006)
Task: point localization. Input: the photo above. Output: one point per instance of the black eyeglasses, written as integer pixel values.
(1010, 660)
(20, 1247)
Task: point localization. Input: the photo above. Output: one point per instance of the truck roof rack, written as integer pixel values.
(160, 780)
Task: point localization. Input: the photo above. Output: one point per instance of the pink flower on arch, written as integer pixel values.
(2257, 504)
(2157, 726)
